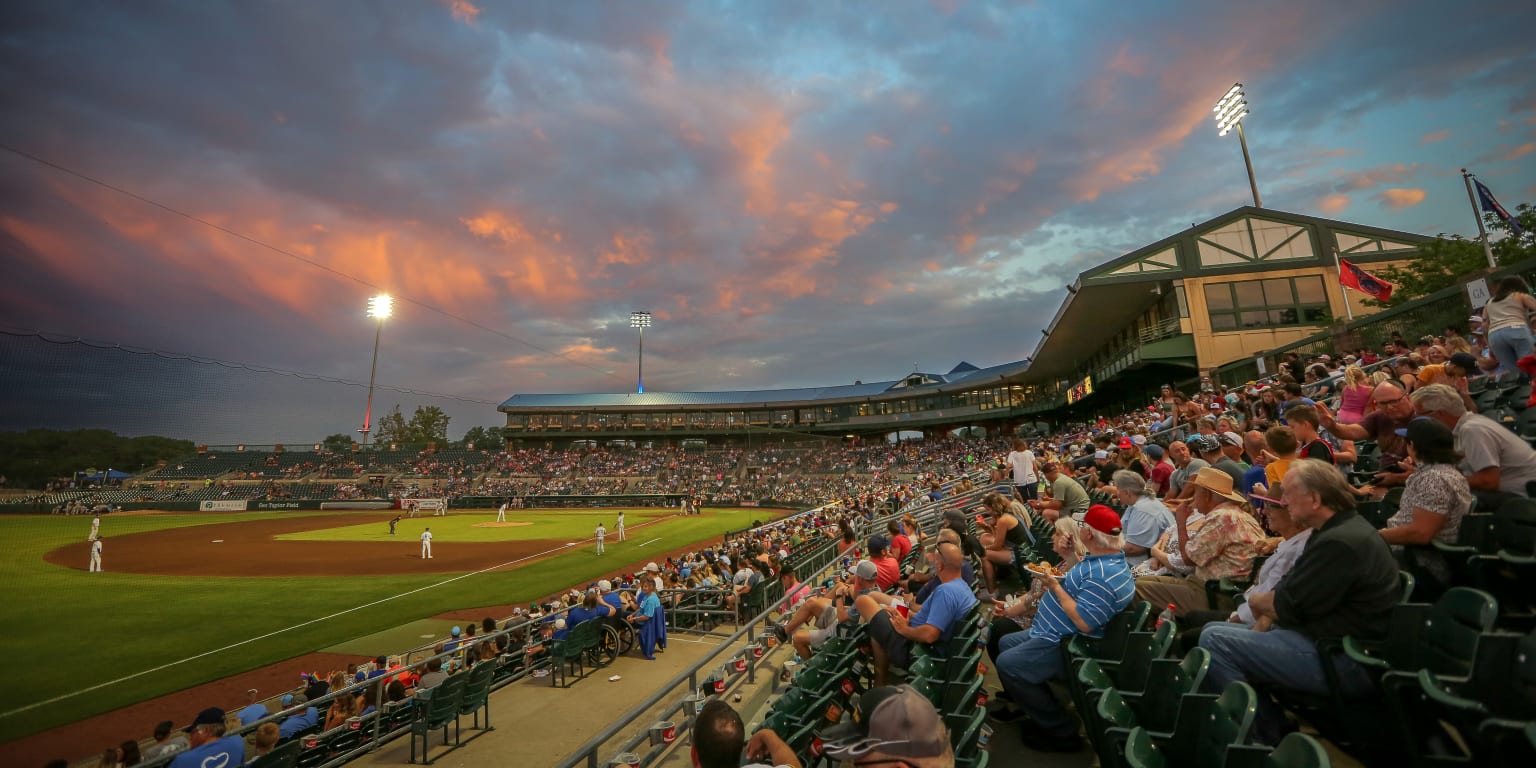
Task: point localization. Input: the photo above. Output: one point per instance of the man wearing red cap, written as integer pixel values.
(1082, 603)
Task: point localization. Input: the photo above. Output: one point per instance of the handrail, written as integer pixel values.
(588, 750)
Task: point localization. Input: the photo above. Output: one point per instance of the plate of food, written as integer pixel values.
(1044, 569)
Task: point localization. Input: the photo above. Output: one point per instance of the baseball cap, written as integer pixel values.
(878, 543)
(864, 569)
(209, 716)
(1232, 438)
(1125, 443)
(1203, 444)
(1103, 519)
(1139, 439)
(605, 586)
(1101, 454)
(892, 720)
(1155, 451)
(652, 567)
(559, 623)
(1464, 360)
(455, 631)
(289, 700)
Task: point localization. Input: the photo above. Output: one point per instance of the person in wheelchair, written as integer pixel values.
(590, 608)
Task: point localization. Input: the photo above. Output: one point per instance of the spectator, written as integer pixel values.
(719, 741)
(165, 743)
(266, 739)
(878, 552)
(128, 752)
(1026, 477)
(891, 725)
(1344, 583)
(793, 589)
(1161, 471)
(651, 620)
(1453, 373)
(209, 744)
(1018, 616)
(254, 709)
(1497, 463)
(1393, 411)
(1232, 448)
(1354, 396)
(1082, 603)
(342, 709)
(301, 720)
(1145, 519)
(592, 607)
(1001, 533)
(1208, 447)
(1223, 546)
(893, 634)
(1434, 502)
(819, 616)
(1304, 425)
(1185, 466)
(434, 674)
(900, 544)
(1509, 315)
(1066, 495)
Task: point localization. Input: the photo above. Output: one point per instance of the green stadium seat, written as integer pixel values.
(436, 707)
(1296, 750)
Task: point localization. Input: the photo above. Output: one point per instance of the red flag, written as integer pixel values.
(1351, 276)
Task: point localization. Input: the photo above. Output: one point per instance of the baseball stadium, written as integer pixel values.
(722, 385)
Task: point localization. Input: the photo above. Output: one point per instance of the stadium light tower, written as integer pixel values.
(379, 308)
(1230, 111)
(641, 320)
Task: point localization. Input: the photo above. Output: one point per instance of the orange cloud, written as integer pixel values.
(876, 141)
(536, 266)
(756, 142)
(463, 10)
(1520, 151)
(1333, 204)
(1432, 137)
(1401, 197)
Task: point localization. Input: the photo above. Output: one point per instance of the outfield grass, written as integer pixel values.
(66, 630)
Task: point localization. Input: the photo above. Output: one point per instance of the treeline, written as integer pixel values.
(30, 459)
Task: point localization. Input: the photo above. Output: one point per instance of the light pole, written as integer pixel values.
(1230, 111)
(641, 320)
(379, 308)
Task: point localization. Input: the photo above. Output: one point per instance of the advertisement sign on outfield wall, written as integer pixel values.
(223, 506)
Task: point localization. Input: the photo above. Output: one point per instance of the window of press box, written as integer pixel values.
(1268, 303)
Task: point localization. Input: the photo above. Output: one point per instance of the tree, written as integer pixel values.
(1447, 261)
(340, 442)
(429, 423)
(30, 459)
(392, 428)
(483, 438)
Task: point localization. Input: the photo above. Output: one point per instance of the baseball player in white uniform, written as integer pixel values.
(619, 529)
(602, 535)
(95, 528)
(501, 514)
(96, 556)
(426, 544)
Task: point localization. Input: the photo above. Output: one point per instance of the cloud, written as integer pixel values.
(1518, 152)
(1400, 197)
(1435, 136)
(463, 10)
(1333, 204)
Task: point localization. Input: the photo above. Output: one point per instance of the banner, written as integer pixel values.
(276, 505)
(223, 506)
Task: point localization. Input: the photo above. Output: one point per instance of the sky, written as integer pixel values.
(803, 193)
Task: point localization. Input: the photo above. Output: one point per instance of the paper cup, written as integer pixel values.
(625, 760)
(663, 733)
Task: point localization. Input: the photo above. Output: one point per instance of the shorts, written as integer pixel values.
(1029, 491)
(828, 618)
(898, 649)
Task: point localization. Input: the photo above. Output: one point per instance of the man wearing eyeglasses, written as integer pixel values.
(1393, 412)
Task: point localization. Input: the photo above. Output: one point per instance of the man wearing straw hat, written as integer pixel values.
(1223, 545)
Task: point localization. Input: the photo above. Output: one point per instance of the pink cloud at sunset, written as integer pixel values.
(1400, 197)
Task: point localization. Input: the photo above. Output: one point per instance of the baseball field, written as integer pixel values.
(186, 598)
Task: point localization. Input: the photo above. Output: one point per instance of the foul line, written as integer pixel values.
(248, 640)
(652, 541)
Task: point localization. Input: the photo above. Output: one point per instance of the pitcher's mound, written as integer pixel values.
(501, 525)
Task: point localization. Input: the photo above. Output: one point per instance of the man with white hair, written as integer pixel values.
(1146, 518)
(209, 744)
(1082, 603)
(1495, 460)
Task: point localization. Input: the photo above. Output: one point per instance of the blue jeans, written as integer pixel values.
(1509, 345)
(1279, 658)
(1024, 666)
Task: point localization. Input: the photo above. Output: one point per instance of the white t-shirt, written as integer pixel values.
(1023, 467)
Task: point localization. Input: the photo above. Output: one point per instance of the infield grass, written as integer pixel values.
(67, 631)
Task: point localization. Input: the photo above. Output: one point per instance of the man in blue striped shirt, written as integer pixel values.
(1082, 603)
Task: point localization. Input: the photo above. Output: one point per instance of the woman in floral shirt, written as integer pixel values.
(1223, 547)
(1434, 502)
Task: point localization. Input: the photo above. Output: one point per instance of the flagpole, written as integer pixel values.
(1478, 214)
(1349, 312)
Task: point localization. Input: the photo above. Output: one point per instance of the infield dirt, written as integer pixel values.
(247, 548)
